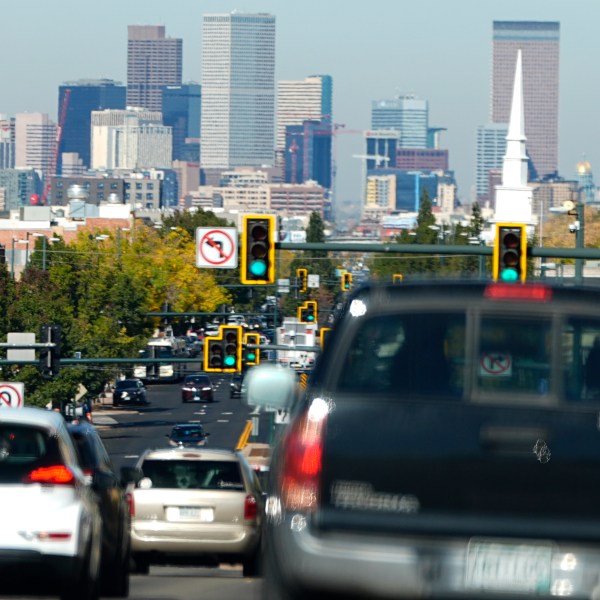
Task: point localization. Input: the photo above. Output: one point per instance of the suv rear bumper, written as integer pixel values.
(385, 566)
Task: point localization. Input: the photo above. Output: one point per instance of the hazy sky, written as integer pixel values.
(439, 50)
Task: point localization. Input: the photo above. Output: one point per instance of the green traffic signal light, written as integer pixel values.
(258, 249)
(229, 361)
(251, 356)
(509, 275)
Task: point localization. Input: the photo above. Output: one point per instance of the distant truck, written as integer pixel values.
(162, 347)
(294, 334)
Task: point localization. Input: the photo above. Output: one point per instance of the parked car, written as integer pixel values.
(197, 387)
(113, 507)
(51, 525)
(129, 391)
(188, 434)
(194, 507)
(475, 472)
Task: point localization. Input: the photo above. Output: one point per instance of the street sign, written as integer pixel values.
(217, 248)
(313, 281)
(283, 286)
(12, 394)
(24, 339)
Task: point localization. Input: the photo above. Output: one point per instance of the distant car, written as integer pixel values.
(51, 527)
(235, 386)
(194, 507)
(188, 434)
(129, 391)
(113, 508)
(196, 388)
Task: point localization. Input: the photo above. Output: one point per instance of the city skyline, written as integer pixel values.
(380, 50)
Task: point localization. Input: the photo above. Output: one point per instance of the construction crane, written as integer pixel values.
(56, 149)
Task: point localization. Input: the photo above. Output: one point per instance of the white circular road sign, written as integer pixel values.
(11, 394)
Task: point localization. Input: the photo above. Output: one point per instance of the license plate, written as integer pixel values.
(190, 513)
(506, 566)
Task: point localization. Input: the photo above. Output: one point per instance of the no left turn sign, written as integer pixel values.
(11, 394)
(216, 248)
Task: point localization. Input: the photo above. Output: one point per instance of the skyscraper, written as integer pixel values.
(491, 147)
(309, 99)
(539, 44)
(181, 107)
(153, 61)
(308, 153)
(238, 90)
(35, 138)
(85, 96)
(407, 114)
(7, 142)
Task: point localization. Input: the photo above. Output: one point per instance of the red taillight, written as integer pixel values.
(514, 291)
(58, 474)
(54, 536)
(88, 472)
(303, 451)
(130, 503)
(250, 508)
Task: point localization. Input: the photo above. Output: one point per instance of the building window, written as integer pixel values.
(115, 186)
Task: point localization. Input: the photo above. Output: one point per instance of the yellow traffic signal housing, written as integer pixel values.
(509, 263)
(223, 353)
(258, 249)
(397, 278)
(307, 313)
(251, 356)
(302, 280)
(323, 335)
(346, 283)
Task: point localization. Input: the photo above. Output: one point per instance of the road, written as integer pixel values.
(128, 431)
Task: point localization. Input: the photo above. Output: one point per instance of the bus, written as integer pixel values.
(163, 348)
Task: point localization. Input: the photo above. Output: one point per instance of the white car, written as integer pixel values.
(50, 525)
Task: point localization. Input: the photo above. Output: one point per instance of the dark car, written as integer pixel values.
(188, 434)
(129, 391)
(235, 385)
(475, 476)
(196, 388)
(114, 509)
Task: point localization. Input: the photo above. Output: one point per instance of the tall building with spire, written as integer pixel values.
(238, 90)
(153, 61)
(514, 197)
(538, 42)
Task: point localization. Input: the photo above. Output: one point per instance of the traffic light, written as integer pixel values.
(302, 279)
(510, 253)
(49, 358)
(397, 278)
(307, 313)
(213, 354)
(346, 281)
(323, 335)
(251, 355)
(232, 347)
(223, 353)
(258, 249)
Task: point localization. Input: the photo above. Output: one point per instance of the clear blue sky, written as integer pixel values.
(439, 50)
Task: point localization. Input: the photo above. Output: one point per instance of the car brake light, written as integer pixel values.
(58, 474)
(250, 508)
(533, 293)
(130, 503)
(54, 536)
(303, 451)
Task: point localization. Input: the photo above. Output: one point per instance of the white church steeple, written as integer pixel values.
(514, 196)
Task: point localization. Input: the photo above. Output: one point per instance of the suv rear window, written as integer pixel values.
(488, 355)
(193, 474)
(23, 449)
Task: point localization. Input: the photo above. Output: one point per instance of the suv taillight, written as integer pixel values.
(303, 450)
(250, 508)
(130, 503)
(55, 475)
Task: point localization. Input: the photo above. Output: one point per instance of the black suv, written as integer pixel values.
(114, 509)
(447, 445)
